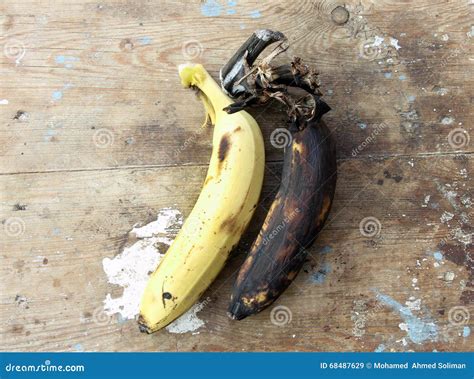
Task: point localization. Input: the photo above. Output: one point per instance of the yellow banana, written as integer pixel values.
(221, 214)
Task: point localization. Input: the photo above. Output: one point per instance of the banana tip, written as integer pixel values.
(237, 311)
(142, 326)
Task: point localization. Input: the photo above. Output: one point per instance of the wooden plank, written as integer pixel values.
(101, 78)
(97, 135)
(73, 220)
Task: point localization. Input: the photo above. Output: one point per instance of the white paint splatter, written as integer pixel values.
(188, 322)
(445, 37)
(394, 43)
(463, 237)
(167, 218)
(130, 269)
(449, 276)
(3, 102)
(447, 120)
(466, 201)
(470, 33)
(446, 216)
(380, 348)
(377, 41)
(426, 201)
(448, 194)
(441, 91)
(413, 305)
(403, 326)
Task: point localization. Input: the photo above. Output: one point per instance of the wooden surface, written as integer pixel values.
(97, 135)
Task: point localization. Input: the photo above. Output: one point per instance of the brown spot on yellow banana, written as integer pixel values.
(220, 216)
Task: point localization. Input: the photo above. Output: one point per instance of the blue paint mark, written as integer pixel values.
(211, 8)
(434, 205)
(50, 133)
(63, 59)
(466, 332)
(402, 77)
(231, 11)
(326, 249)
(255, 14)
(120, 319)
(232, 3)
(56, 231)
(380, 348)
(362, 125)
(68, 85)
(419, 330)
(57, 95)
(438, 255)
(388, 75)
(144, 40)
(78, 347)
(411, 98)
(320, 276)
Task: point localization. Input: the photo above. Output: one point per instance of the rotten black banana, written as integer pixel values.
(308, 183)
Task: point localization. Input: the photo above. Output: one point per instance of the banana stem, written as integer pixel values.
(196, 76)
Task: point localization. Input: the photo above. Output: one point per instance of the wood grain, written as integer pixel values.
(98, 135)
